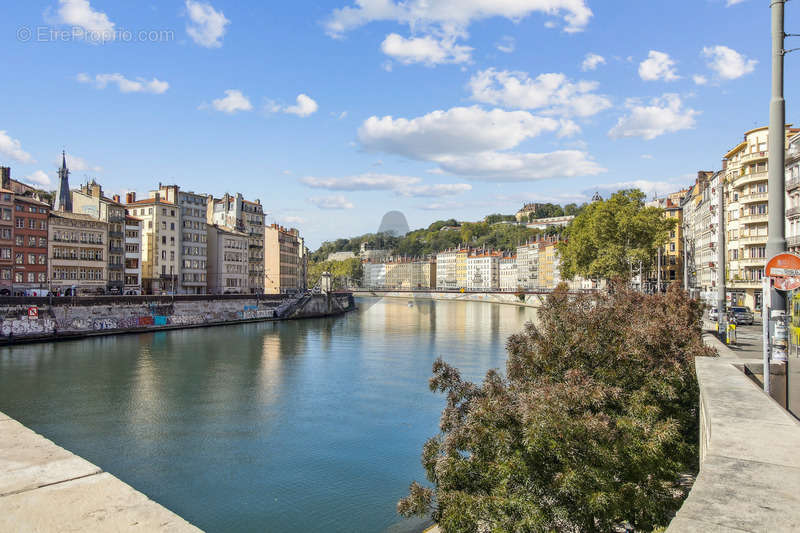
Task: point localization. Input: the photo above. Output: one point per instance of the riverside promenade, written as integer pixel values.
(44, 488)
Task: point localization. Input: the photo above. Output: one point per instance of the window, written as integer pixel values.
(31, 241)
(18, 277)
(42, 259)
(19, 258)
(20, 222)
(31, 277)
(32, 223)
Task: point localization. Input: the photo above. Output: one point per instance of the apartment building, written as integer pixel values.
(668, 267)
(133, 255)
(248, 217)
(6, 232)
(700, 208)
(77, 249)
(509, 280)
(483, 270)
(746, 216)
(793, 194)
(161, 238)
(282, 271)
(90, 200)
(30, 244)
(374, 275)
(411, 274)
(528, 266)
(193, 249)
(549, 270)
(446, 278)
(227, 260)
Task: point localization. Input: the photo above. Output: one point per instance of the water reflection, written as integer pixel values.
(312, 425)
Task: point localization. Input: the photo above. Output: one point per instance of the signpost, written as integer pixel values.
(33, 313)
(782, 273)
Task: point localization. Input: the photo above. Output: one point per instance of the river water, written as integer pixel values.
(311, 425)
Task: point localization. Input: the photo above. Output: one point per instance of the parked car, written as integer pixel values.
(742, 315)
(713, 314)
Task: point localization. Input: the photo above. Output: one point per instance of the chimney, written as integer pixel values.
(115, 198)
(724, 164)
(97, 190)
(5, 177)
(130, 197)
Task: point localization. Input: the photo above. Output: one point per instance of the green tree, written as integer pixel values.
(614, 238)
(340, 272)
(592, 427)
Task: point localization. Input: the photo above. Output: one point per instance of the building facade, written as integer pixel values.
(30, 244)
(282, 255)
(133, 255)
(374, 275)
(446, 278)
(193, 250)
(227, 261)
(161, 238)
(483, 271)
(793, 194)
(90, 200)
(509, 278)
(6, 237)
(248, 217)
(77, 249)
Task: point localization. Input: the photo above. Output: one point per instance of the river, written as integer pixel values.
(304, 426)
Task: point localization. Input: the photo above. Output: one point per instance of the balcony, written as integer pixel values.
(754, 197)
(116, 234)
(754, 177)
(793, 212)
(755, 156)
(753, 239)
(792, 184)
(752, 262)
(116, 249)
(758, 218)
(794, 240)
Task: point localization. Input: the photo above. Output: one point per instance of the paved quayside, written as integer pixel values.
(43, 487)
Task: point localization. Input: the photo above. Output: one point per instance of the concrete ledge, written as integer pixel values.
(44, 487)
(749, 476)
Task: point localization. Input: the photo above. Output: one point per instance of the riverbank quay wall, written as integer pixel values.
(507, 298)
(66, 318)
(44, 487)
(749, 476)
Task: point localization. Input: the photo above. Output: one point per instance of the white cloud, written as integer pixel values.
(427, 50)
(442, 206)
(292, 219)
(38, 177)
(206, 25)
(12, 149)
(400, 185)
(664, 115)
(699, 80)
(457, 130)
(233, 101)
(454, 16)
(658, 66)
(730, 3)
(331, 202)
(507, 45)
(647, 156)
(471, 142)
(553, 93)
(728, 63)
(363, 182)
(94, 25)
(140, 85)
(305, 106)
(650, 188)
(592, 61)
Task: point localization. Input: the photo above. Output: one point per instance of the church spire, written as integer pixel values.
(63, 199)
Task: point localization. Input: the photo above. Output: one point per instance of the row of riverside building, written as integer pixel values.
(743, 180)
(532, 266)
(82, 242)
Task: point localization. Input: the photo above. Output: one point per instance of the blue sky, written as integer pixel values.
(334, 112)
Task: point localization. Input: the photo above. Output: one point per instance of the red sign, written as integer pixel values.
(33, 312)
(784, 270)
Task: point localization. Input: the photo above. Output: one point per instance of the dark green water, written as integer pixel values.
(297, 426)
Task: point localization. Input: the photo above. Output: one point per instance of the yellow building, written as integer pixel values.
(461, 268)
(671, 253)
(161, 242)
(283, 256)
(549, 275)
(77, 246)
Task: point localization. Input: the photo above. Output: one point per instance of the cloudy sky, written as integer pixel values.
(333, 112)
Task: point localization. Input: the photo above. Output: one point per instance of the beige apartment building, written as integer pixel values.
(227, 260)
(247, 217)
(77, 247)
(793, 195)
(282, 270)
(193, 249)
(90, 200)
(746, 215)
(161, 242)
(133, 255)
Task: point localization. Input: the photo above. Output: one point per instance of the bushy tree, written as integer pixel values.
(592, 426)
(340, 271)
(614, 238)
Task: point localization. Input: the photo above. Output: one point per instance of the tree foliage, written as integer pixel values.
(340, 272)
(614, 238)
(592, 427)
